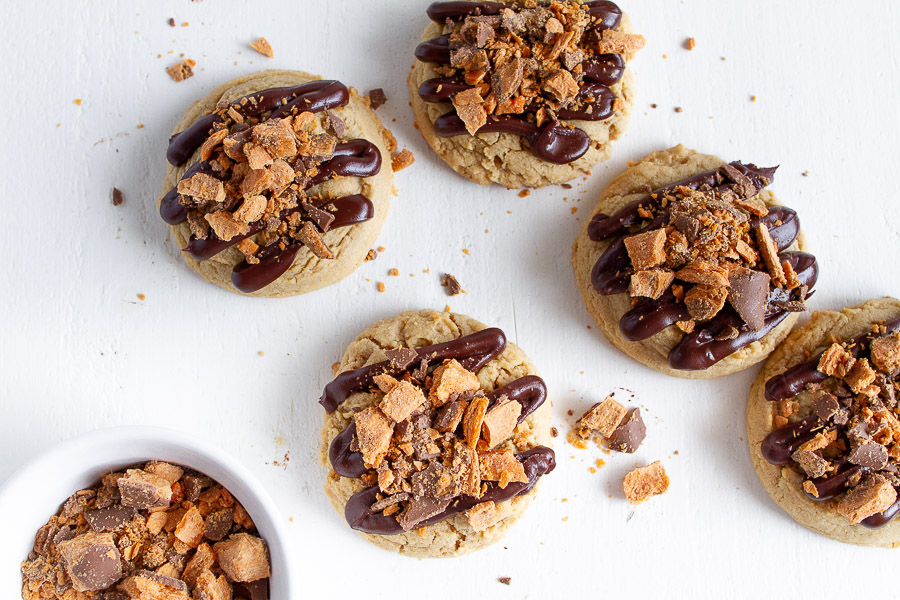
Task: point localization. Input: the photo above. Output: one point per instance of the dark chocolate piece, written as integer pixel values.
(747, 293)
(869, 454)
(109, 519)
(401, 358)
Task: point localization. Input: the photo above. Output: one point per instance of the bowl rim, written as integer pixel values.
(280, 548)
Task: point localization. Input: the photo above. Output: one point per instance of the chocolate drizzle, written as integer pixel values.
(699, 349)
(472, 351)
(354, 158)
(537, 461)
(529, 391)
(553, 141)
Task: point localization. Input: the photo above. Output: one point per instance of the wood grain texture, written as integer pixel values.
(80, 350)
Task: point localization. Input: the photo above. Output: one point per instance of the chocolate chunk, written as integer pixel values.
(76, 504)
(747, 293)
(389, 501)
(812, 464)
(629, 434)
(825, 406)
(218, 524)
(335, 123)
(64, 534)
(790, 305)
(421, 509)
(109, 519)
(859, 433)
(869, 454)
(92, 561)
(253, 590)
(142, 490)
(107, 496)
(322, 218)
(686, 224)
(401, 358)
(194, 484)
(377, 98)
(449, 281)
(424, 446)
(449, 416)
(434, 482)
(421, 372)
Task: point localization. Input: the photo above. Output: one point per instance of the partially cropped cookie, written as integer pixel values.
(691, 267)
(522, 93)
(823, 424)
(436, 434)
(274, 184)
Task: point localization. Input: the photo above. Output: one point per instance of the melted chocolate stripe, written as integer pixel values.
(778, 446)
(529, 391)
(317, 94)
(604, 226)
(473, 352)
(794, 380)
(538, 461)
(700, 350)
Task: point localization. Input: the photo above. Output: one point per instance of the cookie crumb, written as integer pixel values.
(263, 46)
(393, 272)
(690, 43)
(118, 198)
(380, 286)
(449, 281)
(402, 159)
(505, 580)
(181, 71)
(524, 193)
(377, 98)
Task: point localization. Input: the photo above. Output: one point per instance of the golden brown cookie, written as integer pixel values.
(544, 113)
(798, 442)
(276, 183)
(403, 440)
(698, 295)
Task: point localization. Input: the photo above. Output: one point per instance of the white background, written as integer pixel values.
(80, 351)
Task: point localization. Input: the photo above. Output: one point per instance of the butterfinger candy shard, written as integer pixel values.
(645, 482)
(835, 361)
(401, 401)
(312, 240)
(602, 418)
(704, 302)
(860, 377)
(451, 378)
(769, 253)
(92, 561)
(629, 434)
(385, 382)
(473, 419)
(190, 528)
(483, 515)
(147, 585)
(210, 587)
(873, 495)
(647, 249)
(885, 352)
(501, 466)
(202, 187)
(243, 557)
(499, 422)
(143, 490)
(373, 432)
(812, 463)
(618, 42)
(703, 272)
(650, 283)
(202, 560)
(169, 472)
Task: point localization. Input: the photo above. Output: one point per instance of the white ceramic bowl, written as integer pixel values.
(37, 490)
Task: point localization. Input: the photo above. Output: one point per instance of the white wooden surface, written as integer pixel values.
(80, 351)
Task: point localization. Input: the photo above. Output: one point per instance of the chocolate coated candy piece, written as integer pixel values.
(193, 485)
(147, 584)
(747, 293)
(825, 406)
(629, 434)
(421, 509)
(402, 357)
(92, 561)
(142, 490)
(218, 524)
(254, 590)
(869, 454)
(109, 519)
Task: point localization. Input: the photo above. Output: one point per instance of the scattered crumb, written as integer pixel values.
(723, 58)
(77, 101)
(466, 251)
(690, 43)
(449, 281)
(678, 109)
(335, 366)
(181, 71)
(261, 353)
(752, 98)
(380, 248)
(140, 125)
(263, 46)
(447, 308)
(372, 255)
(554, 432)
(394, 272)
(377, 98)
(380, 286)
(141, 297)
(574, 209)
(524, 193)
(402, 159)
(117, 197)
(185, 24)
(570, 412)
(505, 580)
(653, 105)
(805, 173)
(171, 22)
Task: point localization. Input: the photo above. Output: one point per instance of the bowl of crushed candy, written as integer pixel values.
(39, 489)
